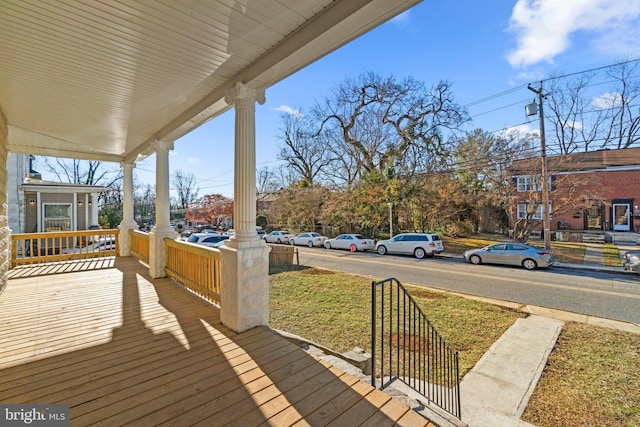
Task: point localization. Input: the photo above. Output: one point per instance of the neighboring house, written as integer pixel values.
(597, 190)
(36, 205)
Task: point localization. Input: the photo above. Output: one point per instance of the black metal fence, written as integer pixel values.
(406, 347)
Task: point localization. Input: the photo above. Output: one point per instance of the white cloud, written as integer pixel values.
(544, 27)
(574, 125)
(524, 129)
(528, 76)
(607, 100)
(193, 160)
(288, 110)
(403, 19)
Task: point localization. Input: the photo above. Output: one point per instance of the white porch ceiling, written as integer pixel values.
(102, 80)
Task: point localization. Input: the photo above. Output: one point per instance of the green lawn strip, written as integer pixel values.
(592, 378)
(457, 245)
(611, 255)
(333, 309)
(568, 252)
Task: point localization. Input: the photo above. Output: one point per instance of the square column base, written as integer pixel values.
(158, 250)
(244, 293)
(124, 237)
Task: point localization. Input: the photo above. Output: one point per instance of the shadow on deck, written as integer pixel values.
(121, 348)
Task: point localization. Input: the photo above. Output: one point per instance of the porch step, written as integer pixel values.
(593, 238)
(625, 237)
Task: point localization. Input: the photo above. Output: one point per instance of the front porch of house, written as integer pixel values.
(120, 347)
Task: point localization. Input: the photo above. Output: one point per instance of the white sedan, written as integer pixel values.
(352, 242)
(280, 236)
(309, 239)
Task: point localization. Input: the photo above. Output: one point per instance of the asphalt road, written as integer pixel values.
(606, 295)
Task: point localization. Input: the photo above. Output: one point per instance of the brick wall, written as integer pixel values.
(606, 185)
(5, 233)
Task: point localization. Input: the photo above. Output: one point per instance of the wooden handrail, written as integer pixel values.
(196, 267)
(37, 248)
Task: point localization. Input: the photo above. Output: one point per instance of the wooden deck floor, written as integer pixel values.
(122, 349)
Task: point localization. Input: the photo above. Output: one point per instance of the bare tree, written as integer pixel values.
(89, 172)
(623, 118)
(184, 184)
(567, 107)
(380, 120)
(303, 149)
(584, 122)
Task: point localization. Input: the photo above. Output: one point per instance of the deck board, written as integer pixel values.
(121, 348)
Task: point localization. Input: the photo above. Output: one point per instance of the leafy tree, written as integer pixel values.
(210, 209)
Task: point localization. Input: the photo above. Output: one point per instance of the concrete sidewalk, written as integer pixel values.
(496, 391)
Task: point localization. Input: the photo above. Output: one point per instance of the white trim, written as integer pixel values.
(38, 213)
(607, 169)
(74, 213)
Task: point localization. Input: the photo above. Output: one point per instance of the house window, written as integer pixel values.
(529, 183)
(524, 209)
(56, 217)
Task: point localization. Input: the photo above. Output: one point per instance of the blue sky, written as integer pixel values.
(483, 47)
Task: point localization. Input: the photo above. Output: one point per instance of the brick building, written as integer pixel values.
(598, 190)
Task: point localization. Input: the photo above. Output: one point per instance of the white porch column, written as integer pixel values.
(244, 299)
(162, 229)
(128, 219)
(94, 209)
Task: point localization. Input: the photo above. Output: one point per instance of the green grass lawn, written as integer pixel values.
(592, 377)
(334, 309)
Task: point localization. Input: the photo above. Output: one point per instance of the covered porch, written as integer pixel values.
(122, 348)
(113, 337)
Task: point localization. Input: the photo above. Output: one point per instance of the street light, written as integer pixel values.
(531, 110)
(390, 219)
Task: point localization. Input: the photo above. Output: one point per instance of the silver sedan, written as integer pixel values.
(508, 253)
(309, 239)
(352, 242)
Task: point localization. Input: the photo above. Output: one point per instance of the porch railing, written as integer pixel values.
(139, 245)
(196, 267)
(406, 347)
(36, 248)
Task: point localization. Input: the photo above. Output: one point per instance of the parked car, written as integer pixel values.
(230, 232)
(186, 234)
(509, 253)
(309, 239)
(103, 244)
(632, 261)
(207, 239)
(352, 242)
(207, 230)
(416, 244)
(260, 231)
(278, 236)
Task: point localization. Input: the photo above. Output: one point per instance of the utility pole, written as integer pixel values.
(546, 223)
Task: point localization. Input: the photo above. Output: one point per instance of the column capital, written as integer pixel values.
(244, 96)
(128, 164)
(162, 145)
